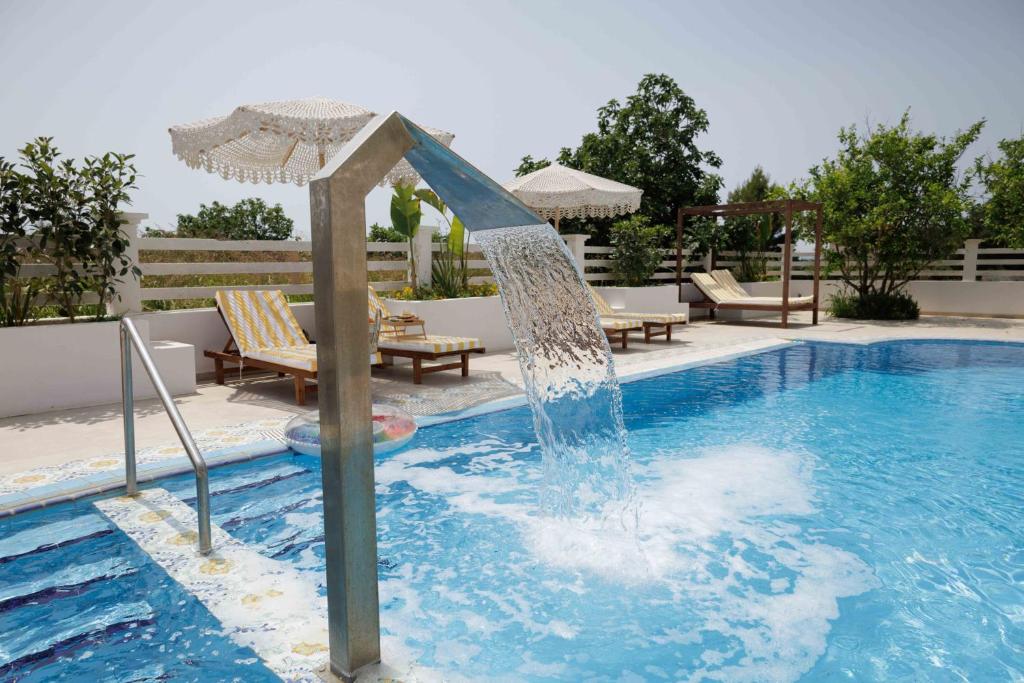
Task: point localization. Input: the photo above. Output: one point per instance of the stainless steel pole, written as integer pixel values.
(131, 484)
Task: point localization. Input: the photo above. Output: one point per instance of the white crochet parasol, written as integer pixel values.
(284, 142)
(558, 192)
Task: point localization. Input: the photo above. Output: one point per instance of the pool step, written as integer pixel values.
(239, 482)
(262, 603)
(63, 581)
(53, 535)
(47, 638)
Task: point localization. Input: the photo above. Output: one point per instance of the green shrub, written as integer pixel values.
(874, 306)
(636, 249)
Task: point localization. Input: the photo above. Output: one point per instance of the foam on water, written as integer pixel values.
(568, 373)
(712, 535)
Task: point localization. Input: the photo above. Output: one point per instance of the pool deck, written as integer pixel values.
(67, 438)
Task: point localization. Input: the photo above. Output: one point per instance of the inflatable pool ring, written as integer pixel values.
(392, 429)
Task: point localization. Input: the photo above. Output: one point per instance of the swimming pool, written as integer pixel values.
(821, 511)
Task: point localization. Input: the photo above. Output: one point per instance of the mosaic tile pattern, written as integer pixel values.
(78, 478)
(262, 603)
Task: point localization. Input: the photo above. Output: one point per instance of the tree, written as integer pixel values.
(382, 233)
(528, 165)
(893, 202)
(649, 142)
(1001, 213)
(249, 219)
(637, 248)
(73, 215)
(754, 235)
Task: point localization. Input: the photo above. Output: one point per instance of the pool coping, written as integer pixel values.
(93, 484)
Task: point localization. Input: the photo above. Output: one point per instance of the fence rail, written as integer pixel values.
(177, 269)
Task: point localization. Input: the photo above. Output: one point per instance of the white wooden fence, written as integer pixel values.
(286, 265)
(969, 264)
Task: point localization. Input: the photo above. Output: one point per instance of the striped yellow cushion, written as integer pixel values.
(712, 288)
(618, 324)
(259, 319)
(299, 357)
(430, 344)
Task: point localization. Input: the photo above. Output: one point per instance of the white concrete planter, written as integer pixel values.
(52, 367)
(482, 317)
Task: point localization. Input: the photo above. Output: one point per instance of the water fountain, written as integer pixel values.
(565, 359)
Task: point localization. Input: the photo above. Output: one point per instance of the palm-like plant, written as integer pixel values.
(406, 215)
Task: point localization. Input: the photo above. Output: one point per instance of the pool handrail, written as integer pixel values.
(130, 337)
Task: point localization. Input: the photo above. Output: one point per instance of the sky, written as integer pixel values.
(777, 79)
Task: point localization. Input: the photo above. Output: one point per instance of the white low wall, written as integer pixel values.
(58, 366)
(482, 317)
(1002, 299)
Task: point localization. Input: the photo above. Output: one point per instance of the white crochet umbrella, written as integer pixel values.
(558, 192)
(284, 142)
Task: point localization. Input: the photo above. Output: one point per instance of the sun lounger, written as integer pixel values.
(722, 292)
(263, 333)
(393, 342)
(654, 324)
(617, 329)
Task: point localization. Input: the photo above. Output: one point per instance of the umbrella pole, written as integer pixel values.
(558, 216)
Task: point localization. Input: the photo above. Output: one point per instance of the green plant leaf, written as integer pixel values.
(456, 236)
(405, 211)
(431, 199)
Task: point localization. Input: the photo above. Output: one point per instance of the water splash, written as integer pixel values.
(568, 374)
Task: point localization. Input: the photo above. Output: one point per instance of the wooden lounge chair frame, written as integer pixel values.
(785, 207)
(650, 327)
(784, 307)
(620, 335)
(417, 358)
(230, 354)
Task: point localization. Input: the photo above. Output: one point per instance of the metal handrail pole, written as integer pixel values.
(198, 464)
(131, 483)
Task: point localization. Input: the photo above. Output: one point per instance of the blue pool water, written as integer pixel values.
(823, 512)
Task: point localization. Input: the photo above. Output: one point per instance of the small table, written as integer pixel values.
(404, 324)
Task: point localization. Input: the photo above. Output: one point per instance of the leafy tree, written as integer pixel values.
(754, 235)
(406, 215)
(1002, 211)
(528, 165)
(109, 178)
(249, 219)
(893, 202)
(16, 294)
(381, 233)
(649, 142)
(72, 213)
(637, 248)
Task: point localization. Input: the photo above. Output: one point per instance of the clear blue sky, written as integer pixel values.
(508, 78)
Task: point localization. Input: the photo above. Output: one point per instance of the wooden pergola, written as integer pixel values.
(784, 206)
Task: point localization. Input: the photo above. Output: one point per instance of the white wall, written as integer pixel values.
(935, 297)
(52, 367)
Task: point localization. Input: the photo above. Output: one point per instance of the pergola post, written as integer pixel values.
(817, 261)
(679, 255)
(787, 257)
